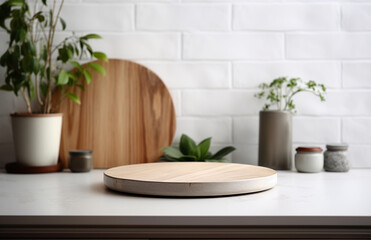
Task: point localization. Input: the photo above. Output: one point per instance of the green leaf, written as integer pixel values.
(44, 88)
(41, 18)
(80, 86)
(90, 50)
(168, 158)
(91, 36)
(172, 152)
(44, 2)
(22, 34)
(100, 56)
(30, 89)
(187, 145)
(72, 77)
(16, 3)
(216, 160)
(77, 65)
(44, 53)
(36, 66)
(197, 153)
(6, 87)
(4, 58)
(73, 97)
(70, 52)
(204, 146)
(27, 64)
(222, 152)
(63, 54)
(63, 23)
(87, 76)
(98, 68)
(62, 78)
(188, 158)
(208, 155)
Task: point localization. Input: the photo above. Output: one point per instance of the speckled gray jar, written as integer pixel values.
(336, 158)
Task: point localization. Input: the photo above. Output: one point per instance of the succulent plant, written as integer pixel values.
(188, 151)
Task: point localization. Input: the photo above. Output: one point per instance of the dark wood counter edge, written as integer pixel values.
(152, 227)
(186, 220)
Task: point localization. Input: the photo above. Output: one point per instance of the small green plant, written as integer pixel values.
(188, 151)
(280, 92)
(34, 63)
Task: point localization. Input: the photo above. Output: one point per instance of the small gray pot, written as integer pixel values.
(275, 140)
(80, 160)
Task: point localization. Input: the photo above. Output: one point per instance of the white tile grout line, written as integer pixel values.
(340, 11)
(181, 46)
(341, 75)
(135, 18)
(285, 46)
(232, 129)
(231, 17)
(341, 130)
(230, 75)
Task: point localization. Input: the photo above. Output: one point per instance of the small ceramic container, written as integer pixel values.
(336, 158)
(80, 160)
(309, 159)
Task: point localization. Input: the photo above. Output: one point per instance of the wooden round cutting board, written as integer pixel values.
(125, 117)
(190, 179)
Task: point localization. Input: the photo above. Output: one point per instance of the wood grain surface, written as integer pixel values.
(125, 117)
(190, 178)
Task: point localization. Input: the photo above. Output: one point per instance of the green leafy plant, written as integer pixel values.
(280, 92)
(34, 63)
(189, 151)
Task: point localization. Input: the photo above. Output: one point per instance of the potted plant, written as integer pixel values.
(189, 151)
(275, 126)
(35, 65)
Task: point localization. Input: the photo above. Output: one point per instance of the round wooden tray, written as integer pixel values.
(190, 179)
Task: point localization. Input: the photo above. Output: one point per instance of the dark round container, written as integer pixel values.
(80, 160)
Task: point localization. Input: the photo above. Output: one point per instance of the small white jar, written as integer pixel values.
(309, 159)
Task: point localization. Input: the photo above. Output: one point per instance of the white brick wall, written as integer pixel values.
(200, 128)
(286, 17)
(212, 55)
(83, 17)
(356, 17)
(203, 17)
(140, 45)
(356, 74)
(192, 75)
(219, 103)
(233, 46)
(328, 45)
(251, 74)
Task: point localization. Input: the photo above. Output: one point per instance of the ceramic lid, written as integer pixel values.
(80, 152)
(309, 149)
(337, 147)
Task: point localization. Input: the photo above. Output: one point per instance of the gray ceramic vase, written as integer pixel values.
(275, 140)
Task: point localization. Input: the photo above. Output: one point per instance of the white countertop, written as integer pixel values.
(84, 194)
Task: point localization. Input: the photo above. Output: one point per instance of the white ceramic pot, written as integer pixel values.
(309, 159)
(37, 138)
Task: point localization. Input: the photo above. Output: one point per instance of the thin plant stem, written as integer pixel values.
(27, 100)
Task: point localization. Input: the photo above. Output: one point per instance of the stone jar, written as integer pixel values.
(336, 158)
